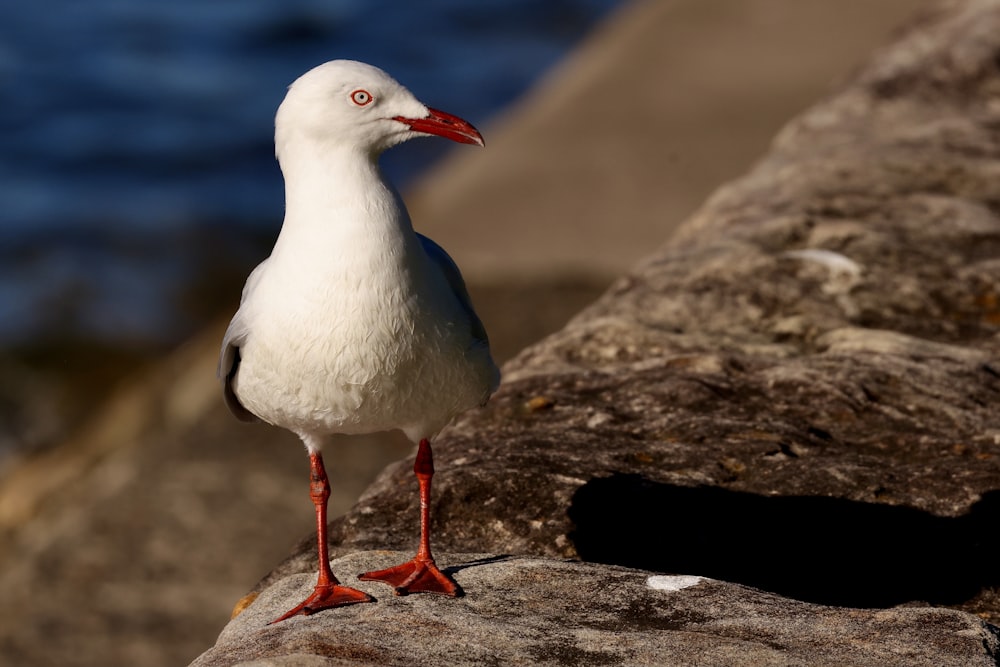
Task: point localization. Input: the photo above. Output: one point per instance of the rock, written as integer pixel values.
(810, 369)
(799, 393)
(533, 611)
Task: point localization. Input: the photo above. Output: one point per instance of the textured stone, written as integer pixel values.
(532, 611)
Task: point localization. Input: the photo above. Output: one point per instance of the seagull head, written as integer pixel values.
(348, 104)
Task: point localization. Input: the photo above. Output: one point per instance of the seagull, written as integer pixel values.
(356, 323)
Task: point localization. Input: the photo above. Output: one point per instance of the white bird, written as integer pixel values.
(356, 323)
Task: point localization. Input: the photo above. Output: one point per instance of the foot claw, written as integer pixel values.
(416, 576)
(326, 597)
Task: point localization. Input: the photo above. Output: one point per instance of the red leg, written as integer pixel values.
(420, 575)
(328, 593)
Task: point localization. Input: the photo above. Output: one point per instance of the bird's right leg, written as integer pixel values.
(328, 593)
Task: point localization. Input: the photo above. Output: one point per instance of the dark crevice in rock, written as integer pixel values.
(817, 549)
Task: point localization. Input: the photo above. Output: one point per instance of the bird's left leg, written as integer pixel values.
(421, 574)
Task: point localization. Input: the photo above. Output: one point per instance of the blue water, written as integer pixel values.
(136, 135)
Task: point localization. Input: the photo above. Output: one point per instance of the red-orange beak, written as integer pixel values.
(445, 125)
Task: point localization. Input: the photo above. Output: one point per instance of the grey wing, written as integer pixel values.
(457, 284)
(229, 357)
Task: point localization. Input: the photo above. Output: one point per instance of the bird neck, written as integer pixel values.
(338, 196)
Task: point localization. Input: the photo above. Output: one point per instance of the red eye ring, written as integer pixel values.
(362, 97)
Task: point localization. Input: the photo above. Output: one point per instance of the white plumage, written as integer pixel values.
(355, 323)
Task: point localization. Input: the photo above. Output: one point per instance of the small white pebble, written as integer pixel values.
(834, 261)
(598, 419)
(672, 582)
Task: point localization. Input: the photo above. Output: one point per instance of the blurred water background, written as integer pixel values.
(137, 174)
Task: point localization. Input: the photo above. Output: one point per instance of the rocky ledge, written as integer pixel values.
(533, 611)
(798, 394)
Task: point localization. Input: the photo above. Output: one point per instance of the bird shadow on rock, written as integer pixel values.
(479, 562)
(817, 549)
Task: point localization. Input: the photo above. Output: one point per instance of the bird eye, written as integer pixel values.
(361, 97)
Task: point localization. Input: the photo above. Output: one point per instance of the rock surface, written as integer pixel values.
(531, 611)
(799, 393)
